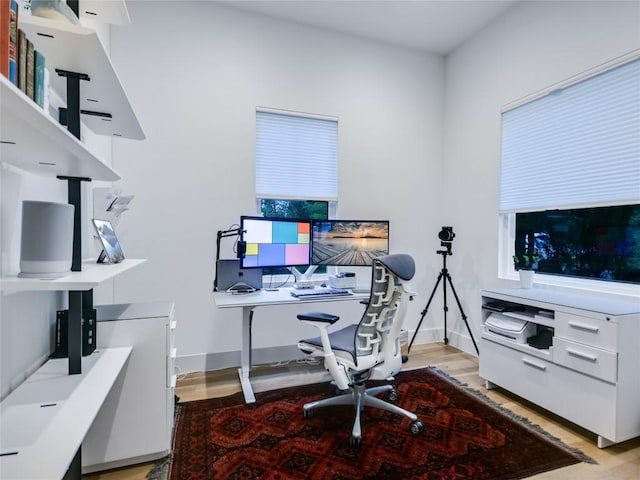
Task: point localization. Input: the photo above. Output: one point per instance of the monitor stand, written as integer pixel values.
(303, 280)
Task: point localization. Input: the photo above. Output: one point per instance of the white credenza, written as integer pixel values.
(135, 423)
(590, 374)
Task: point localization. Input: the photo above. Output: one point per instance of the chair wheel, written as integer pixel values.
(416, 427)
(307, 413)
(355, 441)
(392, 395)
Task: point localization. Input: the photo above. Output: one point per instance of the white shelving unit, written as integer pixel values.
(588, 373)
(45, 420)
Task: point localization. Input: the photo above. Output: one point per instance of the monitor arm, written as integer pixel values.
(303, 280)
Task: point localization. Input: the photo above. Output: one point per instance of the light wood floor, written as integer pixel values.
(618, 462)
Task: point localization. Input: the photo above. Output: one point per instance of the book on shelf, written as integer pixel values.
(47, 80)
(22, 61)
(30, 69)
(13, 42)
(38, 77)
(5, 27)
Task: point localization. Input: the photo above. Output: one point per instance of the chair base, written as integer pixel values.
(360, 396)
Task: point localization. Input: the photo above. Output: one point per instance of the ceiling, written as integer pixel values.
(436, 26)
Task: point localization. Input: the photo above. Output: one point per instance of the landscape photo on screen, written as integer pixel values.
(349, 242)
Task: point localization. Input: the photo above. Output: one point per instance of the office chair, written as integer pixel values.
(369, 349)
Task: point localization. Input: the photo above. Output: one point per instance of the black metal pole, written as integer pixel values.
(445, 273)
(74, 332)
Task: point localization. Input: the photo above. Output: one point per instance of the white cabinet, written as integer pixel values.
(588, 373)
(135, 423)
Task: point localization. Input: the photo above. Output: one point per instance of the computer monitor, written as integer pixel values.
(349, 242)
(275, 242)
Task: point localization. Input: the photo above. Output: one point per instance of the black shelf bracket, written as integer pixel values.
(77, 299)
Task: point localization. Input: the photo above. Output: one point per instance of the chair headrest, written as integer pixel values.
(401, 264)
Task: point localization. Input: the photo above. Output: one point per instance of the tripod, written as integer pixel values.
(444, 273)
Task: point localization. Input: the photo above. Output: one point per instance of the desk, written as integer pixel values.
(248, 302)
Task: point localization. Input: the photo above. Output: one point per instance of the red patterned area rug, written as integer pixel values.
(466, 436)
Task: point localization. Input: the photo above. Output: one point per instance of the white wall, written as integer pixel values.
(195, 72)
(531, 47)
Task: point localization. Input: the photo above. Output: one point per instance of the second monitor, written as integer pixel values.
(349, 242)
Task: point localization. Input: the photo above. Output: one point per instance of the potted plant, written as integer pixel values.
(526, 266)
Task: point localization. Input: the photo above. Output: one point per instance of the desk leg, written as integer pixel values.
(245, 355)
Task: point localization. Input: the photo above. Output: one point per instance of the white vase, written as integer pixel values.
(526, 278)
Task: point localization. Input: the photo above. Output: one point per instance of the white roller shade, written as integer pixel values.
(296, 157)
(578, 146)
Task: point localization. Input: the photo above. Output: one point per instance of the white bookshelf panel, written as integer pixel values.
(79, 49)
(91, 276)
(50, 402)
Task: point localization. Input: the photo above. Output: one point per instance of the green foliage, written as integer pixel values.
(301, 209)
(526, 262)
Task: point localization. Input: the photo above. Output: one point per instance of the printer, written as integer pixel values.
(514, 329)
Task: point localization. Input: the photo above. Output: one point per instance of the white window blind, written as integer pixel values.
(578, 146)
(296, 157)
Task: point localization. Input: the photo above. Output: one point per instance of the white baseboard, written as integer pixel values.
(204, 362)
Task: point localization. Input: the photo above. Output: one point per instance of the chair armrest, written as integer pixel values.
(318, 317)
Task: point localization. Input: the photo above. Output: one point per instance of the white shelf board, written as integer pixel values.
(92, 275)
(556, 300)
(105, 11)
(79, 49)
(46, 418)
(31, 140)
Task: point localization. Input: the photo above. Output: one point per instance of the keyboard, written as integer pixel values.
(320, 293)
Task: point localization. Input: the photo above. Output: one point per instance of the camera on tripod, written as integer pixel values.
(446, 236)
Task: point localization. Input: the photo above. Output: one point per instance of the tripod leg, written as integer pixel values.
(464, 317)
(424, 312)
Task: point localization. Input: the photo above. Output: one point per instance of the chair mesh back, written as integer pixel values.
(379, 314)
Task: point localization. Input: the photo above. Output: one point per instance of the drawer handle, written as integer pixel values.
(584, 356)
(582, 326)
(526, 361)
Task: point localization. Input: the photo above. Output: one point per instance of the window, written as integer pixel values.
(296, 166)
(601, 243)
(570, 176)
(296, 156)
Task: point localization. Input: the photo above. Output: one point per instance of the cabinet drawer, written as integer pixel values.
(525, 375)
(591, 331)
(586, 359)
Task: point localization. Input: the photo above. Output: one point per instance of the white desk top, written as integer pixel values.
(280, 297)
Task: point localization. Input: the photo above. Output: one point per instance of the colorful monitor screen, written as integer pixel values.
(349, 242)
(275, 242)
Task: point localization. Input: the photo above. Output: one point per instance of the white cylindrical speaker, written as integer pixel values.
(46, 246)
